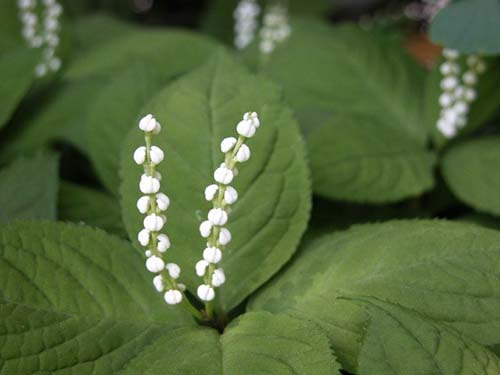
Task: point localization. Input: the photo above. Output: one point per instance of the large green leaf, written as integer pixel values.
(16, 76)
(92, 207)
(28, 188)
(471, 171)
(178, 50)
(74, 300)
(401, 342)
(326, 69)
(10, 26)
(115, 110)
(270, 216)
(359, 159)
(445, 271)
(470, 26)
(256, 343)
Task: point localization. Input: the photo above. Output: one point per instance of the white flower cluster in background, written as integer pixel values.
(275, 28)
(42, 36)
(153, 205)
(458, 91)
(246, 22)
(222, 196)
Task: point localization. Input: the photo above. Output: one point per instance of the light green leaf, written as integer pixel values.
(470, 26)
(471, 171)
(16, 76)
(178, 50)
(196, 113)
(115, 111)
(445, 271)
(360, 159)
(92, 207)
(256, 343)
(74, 300)
(326, 69)
(28, 188)
(401, 342)
(10, 26)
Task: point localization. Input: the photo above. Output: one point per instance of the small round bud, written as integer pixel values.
(230, 195)
(143, 204)
(224, 236)
(461, 107)
(173, 297)
(446, 128)
(246, 129)
(223, 175)
(147, 123)
(243, 153)
(181, 287)
(445, 99)
(149, 185)
(253, 117)
(451, 53)
(143, 237)
(173, 270)
(157, 128)
(472, 60)
(156, 154)
(212, 255)
(217, 216)
(227, 144)
(153, 222)
(449, 83)
(205, 292)
(201, 267)
(148, 253)
(218, 277)
(163, 243)
(470, 78)
(206, 228)
(210, 192)
(155, 264)
(162, 201)
(470, 95)
(158, 283)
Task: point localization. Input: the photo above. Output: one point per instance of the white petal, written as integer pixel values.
(173, 270)
(212, 255)
(162, 201)
(158, 283)
(173, 297)
(201, 267)
(227, 144)
(217, 216)
(153, 222)
(156, 154)
(206, 228)
(143, 204)
(210, 192)
(230, 195)
(224, 236)
(143, 237)
(206, 292)
(218, 277)
(163, 243)
(155, 264)
(246, 129)
(243, 153)
(223, 175)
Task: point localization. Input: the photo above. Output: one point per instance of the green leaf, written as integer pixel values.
(359, 159)
(10, 26)
(256, 343)
(445, 271)
(16, 76)
(196, 113)
(114, 112)
(75, 300)
(401, 342)
(327, 70)
(178, 50)
(471, 171)
(28, 188)
(470, 26)
(92, 207)
(59, 115)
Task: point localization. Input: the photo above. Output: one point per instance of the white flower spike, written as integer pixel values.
(275, 30)
(246, 23)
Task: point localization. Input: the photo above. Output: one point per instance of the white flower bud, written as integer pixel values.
(243, 153)
(143, 204)
(206, 228)
(461, 107)
(155, 264)
(218, 277)
(446, 128)
(205, 292)
(246, 129)
(224, 236)
(147, 123)
(55, 64)
(212, 255)
(157, 175)
(470, 78)
(181, 287)
(451, 53)
(201, 267)
(143, 237)
(450, 115)
(173, 297)
(41, 70)
(230, 195)
(173, 270)
(157, 128)
(158, 283)
(470, 95)
(148, 253)
(217, 216)
(461, 121)
(253, 117)
(227, 144)
(223, 175)
(445, 99)
(153, 222)
(480, 67)
(459, 92)
(447, 68)
(156, 154)
(162, 201)
(163, 243)
(449, 83)
(210, 192)
(149, 185)
(472, 60)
